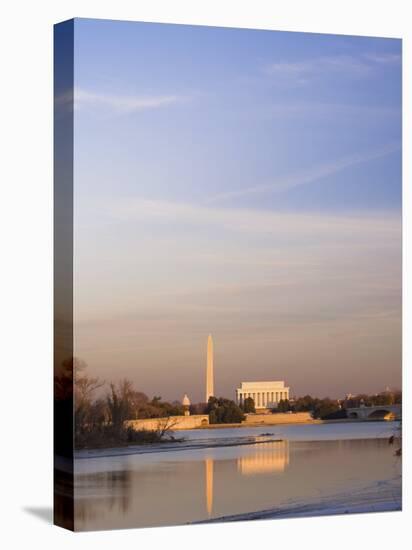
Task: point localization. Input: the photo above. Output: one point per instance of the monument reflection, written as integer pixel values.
(265, 458)
(268, 457)
(209, 464)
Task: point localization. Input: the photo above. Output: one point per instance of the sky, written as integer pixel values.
(241, 183)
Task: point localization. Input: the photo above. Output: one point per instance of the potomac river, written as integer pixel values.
(235, 474)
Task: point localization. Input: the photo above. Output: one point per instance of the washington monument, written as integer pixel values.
(209, 369)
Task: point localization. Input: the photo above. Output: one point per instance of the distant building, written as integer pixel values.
(186, 405)
(266, 395)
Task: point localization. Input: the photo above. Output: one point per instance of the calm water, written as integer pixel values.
(312, 464)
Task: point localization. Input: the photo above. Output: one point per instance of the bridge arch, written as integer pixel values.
(382, 414)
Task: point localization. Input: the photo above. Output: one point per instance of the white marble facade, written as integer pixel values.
(266, 395)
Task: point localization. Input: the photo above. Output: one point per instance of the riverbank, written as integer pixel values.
(291, 422)
(229, 436)
(381, 496)
(173, 446)
(168, 443)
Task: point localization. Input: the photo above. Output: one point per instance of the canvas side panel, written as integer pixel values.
(63, 274)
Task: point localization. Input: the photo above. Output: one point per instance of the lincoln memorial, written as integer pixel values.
(266, 395)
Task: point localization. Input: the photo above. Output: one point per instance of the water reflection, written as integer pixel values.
(209, 485)
(114, 488)
(166, 488)
(267, 458)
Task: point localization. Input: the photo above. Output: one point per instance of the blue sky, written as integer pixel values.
(240, 182)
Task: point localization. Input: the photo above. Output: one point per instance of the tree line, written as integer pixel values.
(378, 399)
(327, 408)
(100, 410)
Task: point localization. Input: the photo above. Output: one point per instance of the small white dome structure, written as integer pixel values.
(186, 405)
(185, 400)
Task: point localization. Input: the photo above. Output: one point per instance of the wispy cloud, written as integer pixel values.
(384, 58)
(254, 221)
(304, 70)
(317, 65)
(309, 176)
(122, 104)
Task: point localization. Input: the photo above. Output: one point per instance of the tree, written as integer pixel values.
(378, 399)
(305, 404)
(98, 416)
(85, 411)
(319, 408)
(224, 411)
(249, 405)
(397, 397)
(166, 426)
(283, 405)
(101, 422)
(198, 408)
(137, 404)
(119, 402)
(84, 385)
(156, 400)
(386, 398)
(326, 407)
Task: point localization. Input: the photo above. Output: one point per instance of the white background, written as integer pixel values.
(26, 269)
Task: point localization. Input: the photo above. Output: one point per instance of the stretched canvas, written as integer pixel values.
(227, 274)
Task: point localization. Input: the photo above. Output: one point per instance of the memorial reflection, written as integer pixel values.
(263, 458)
(268, 457)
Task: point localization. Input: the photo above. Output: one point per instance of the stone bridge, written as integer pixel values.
(377, 412)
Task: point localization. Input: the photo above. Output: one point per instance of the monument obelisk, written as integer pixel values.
(209, 369)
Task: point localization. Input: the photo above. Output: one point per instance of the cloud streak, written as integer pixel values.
(310, 175)
(122, 104)
(359, 66)
(283, 225)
